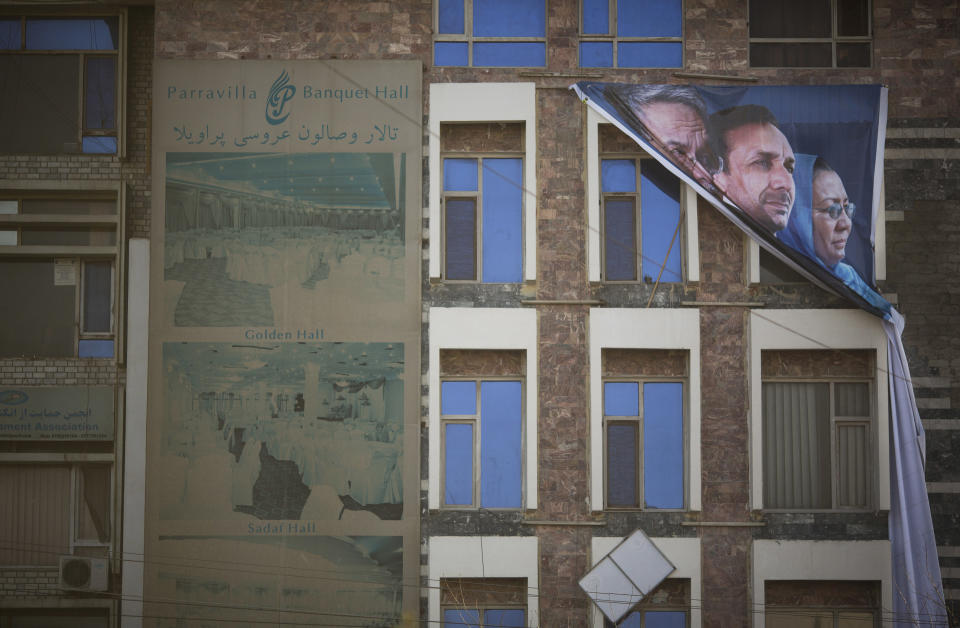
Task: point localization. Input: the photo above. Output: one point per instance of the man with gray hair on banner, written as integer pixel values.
(673, 119)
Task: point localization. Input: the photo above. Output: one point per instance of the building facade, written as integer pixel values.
(548, 345)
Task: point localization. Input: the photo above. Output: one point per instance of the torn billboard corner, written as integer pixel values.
(793, 166)
(798, 168)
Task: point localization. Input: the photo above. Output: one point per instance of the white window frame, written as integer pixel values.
(658, 328)
(476, 421)
(689, 237)
(483, 102)
(818, 330)
(483, 557)
(683, 552)
(820, 560)
(615, 39)
(483, 328)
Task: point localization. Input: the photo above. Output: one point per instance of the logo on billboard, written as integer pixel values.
(13, 397)
(280, 93)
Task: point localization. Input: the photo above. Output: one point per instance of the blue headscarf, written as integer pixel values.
(798, 234)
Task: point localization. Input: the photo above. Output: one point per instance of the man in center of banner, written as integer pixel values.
(756, 171)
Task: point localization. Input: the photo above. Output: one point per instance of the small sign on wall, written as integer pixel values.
(64, 272)
(57, 413)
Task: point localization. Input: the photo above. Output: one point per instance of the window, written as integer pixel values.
(786, 346)
(483, 365)
(482, 424)
(631, 34)
(644, 413)
(485, 120)
(819, 34)
(54, 509)
(644, 435)
(822, 603)
(667, 606)
(775, 271)
(817, 435)
(58, 254)
(483, 219)
(484, 602)
(641, 218)
(483, 573)
(65, 71)
(491, 33)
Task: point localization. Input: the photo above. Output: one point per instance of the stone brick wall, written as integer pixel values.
(23, 582)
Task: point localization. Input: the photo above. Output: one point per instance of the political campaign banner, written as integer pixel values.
(796, 167)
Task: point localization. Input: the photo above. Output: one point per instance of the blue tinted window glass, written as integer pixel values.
(450, 17)
(509, 18)
(596, 17)
(100, 145)
(501, 473)
(622, 465)
(458, 464)
(95, 349)
(630, 621)
(618, 175)
(72, 34)
(506, 617)
(451, 53)
(649, 18)
(663, 444)
(502, 252)
(9, 34)
(665, 619)
(461, 618)
(660, 213)
(619, 240)
(621, 399)
(460, 175)
(458, 398)
(632, 54)
(101, 93)
(596, 54)
(460, 238)
(510, 55)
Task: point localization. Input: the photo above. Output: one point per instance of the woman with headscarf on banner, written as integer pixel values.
(820, 224)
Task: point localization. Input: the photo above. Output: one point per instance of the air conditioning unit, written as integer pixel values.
(78, 573)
